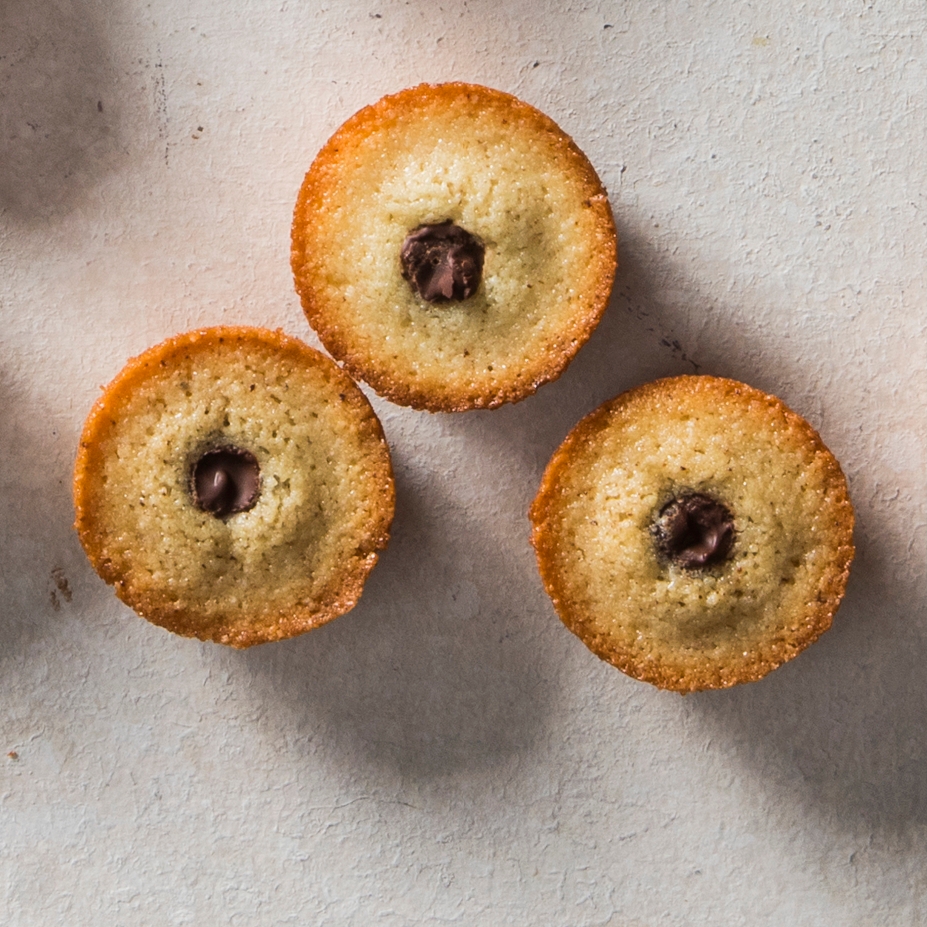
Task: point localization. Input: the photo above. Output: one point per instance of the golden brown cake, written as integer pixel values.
(452, 247)
(234, 485)
(694, 532)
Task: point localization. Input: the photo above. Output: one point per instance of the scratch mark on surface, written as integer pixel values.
(160, 92)
(677, 351)
(644, 315)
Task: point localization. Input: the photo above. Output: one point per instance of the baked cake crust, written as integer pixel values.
(505, 173)
(299, 555)
(597, 513)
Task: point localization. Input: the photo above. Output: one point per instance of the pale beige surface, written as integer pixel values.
(448, 753)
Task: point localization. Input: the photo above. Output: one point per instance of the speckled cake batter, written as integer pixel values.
(234, 485)
(694, 532)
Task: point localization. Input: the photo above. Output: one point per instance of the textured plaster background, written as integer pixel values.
(448, 753)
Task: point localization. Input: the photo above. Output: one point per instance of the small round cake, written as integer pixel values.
(694, 532)
(452, 247)
(234, 485)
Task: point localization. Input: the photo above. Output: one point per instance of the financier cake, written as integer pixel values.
(453, 247)
(694, 532)
(234, 485)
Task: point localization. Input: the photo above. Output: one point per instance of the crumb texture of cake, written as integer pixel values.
(503, 205)
(694, 532)
(234, 485)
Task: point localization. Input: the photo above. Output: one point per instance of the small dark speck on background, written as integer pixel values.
(61, 581)
(99, 106)
(608, 26)
(536, 63)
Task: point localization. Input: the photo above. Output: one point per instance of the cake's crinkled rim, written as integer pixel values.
(313, 197)
(102, 417)
(545, 509)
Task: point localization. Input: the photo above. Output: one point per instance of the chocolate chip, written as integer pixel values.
(694, 531)
(225, 480)
(442, 262)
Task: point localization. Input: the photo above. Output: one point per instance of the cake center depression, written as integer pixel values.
(225, 480)
(694, 531)
(442, 262)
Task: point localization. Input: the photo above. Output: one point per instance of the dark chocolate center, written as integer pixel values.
(694, 531)
(225, 480)
(442, 262)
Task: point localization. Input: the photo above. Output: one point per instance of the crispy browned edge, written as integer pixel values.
(103, 416)
(311, 198)
(820, 613)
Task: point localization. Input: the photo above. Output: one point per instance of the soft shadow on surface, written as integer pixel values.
(447, 663)
(844, 726)
(40, 557)
(436, 671)
(58, 108)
